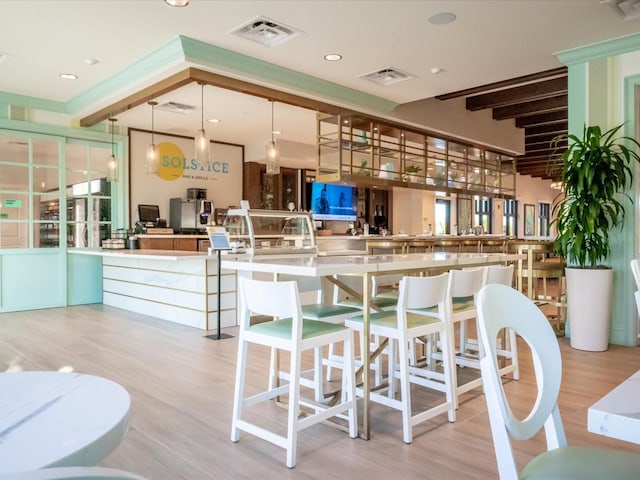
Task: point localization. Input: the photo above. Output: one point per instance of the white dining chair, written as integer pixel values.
(501, 307)
(421, 312)
(316, 308)
(635, 270)
(72, 473)
(287, 331)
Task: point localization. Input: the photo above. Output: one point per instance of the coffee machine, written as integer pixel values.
(191, 215)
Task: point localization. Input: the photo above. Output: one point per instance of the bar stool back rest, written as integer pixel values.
(501, 307)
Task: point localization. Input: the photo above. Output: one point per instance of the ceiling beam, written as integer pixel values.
(528, 108)
(190, 75)
(547, 138)
(557, 116)
(550, 129)
(524, 93)
(504, 83)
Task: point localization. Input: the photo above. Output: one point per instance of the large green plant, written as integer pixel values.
(596, 172)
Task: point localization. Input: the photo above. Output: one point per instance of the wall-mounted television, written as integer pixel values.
(333, 202)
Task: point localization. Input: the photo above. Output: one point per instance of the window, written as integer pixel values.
(482, 213)
(543, 218)
(443, 216)
(32, 190)
(510, 218)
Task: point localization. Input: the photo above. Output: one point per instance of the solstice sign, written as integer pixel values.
(178, 171)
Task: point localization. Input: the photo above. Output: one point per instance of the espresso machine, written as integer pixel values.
(191, 215)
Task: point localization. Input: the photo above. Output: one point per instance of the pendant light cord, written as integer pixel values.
(202, 106)
(272, 137)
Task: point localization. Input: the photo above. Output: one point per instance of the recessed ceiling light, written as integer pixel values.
(177, 3)
(90, 61)
(3, 57)
(68, 76)
(442, 18)
(333, 57)
(277, 132)
(436, 70)
(213, 120)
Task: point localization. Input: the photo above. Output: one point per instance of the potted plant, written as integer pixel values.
(364, 169)
(597, 170)
(412, 171)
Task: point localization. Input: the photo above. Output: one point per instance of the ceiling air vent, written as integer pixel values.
(626, 9)
(175, 107)
(386, 76)
(266, 31)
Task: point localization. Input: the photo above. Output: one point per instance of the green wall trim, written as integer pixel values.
(606, 48)
(33, 102)
(211, 56)
(149, 66)
(56, 130)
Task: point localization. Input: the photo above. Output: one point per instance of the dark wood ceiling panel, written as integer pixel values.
(525, 93)
(539, 104)
(530, 108)
(559, 116)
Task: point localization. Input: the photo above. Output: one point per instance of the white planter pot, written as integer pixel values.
(589, 307)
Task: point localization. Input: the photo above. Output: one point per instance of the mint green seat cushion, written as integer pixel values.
(380, 302)
(318, 312)
(282, 328)
(389, 320)
(583, 463)
(461, 304)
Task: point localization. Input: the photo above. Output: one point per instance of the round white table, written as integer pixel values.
(51, 419)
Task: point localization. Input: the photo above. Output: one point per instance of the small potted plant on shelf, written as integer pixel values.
(597, 170)
(412, 171)
(364, 169)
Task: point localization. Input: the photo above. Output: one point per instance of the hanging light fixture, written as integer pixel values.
(201, 141)
(273, 153)
(112, 164)
(153, 157)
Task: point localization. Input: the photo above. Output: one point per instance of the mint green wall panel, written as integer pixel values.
(32, 280)
(84, 279)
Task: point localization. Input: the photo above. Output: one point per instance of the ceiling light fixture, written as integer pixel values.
(436, 70)
(213, 120)
(153, 157)
(202, 144)
(112, 165)
(273, 154)
(91, 61)
(442, 18)
(177, 3)
(68, 76)
(333, 57)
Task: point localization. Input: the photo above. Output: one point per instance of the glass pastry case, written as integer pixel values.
(266, 232)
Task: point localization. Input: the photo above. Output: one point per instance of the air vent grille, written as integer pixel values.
(387, 76)
(626, 9)
(266, 31)
(175, 107)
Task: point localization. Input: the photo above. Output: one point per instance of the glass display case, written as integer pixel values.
(267, 232)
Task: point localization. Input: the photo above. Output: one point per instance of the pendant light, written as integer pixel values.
(201, 141)
(273, 153)
(112, 165)
(153, 160)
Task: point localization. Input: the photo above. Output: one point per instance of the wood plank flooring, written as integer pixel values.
(181, 385)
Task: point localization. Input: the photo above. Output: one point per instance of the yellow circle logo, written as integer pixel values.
(172, 161)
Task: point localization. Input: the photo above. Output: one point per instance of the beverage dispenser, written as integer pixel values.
(191, 215)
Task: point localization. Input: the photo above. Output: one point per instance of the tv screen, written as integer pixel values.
(148, 213)
(333, 202)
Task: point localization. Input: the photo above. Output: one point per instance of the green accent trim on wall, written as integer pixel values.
(577, 85)
(84, 279)
(151, 65)
(33, 102)
(209, 55)
(55, 130)
(606, 48)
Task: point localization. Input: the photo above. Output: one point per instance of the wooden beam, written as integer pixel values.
(550, 129)
(524, 93)
(558, 116)
(547, 138)
(190, 75)
(550, 104)
(560, 71)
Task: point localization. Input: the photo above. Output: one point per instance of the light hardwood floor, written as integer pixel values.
(181, 385)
